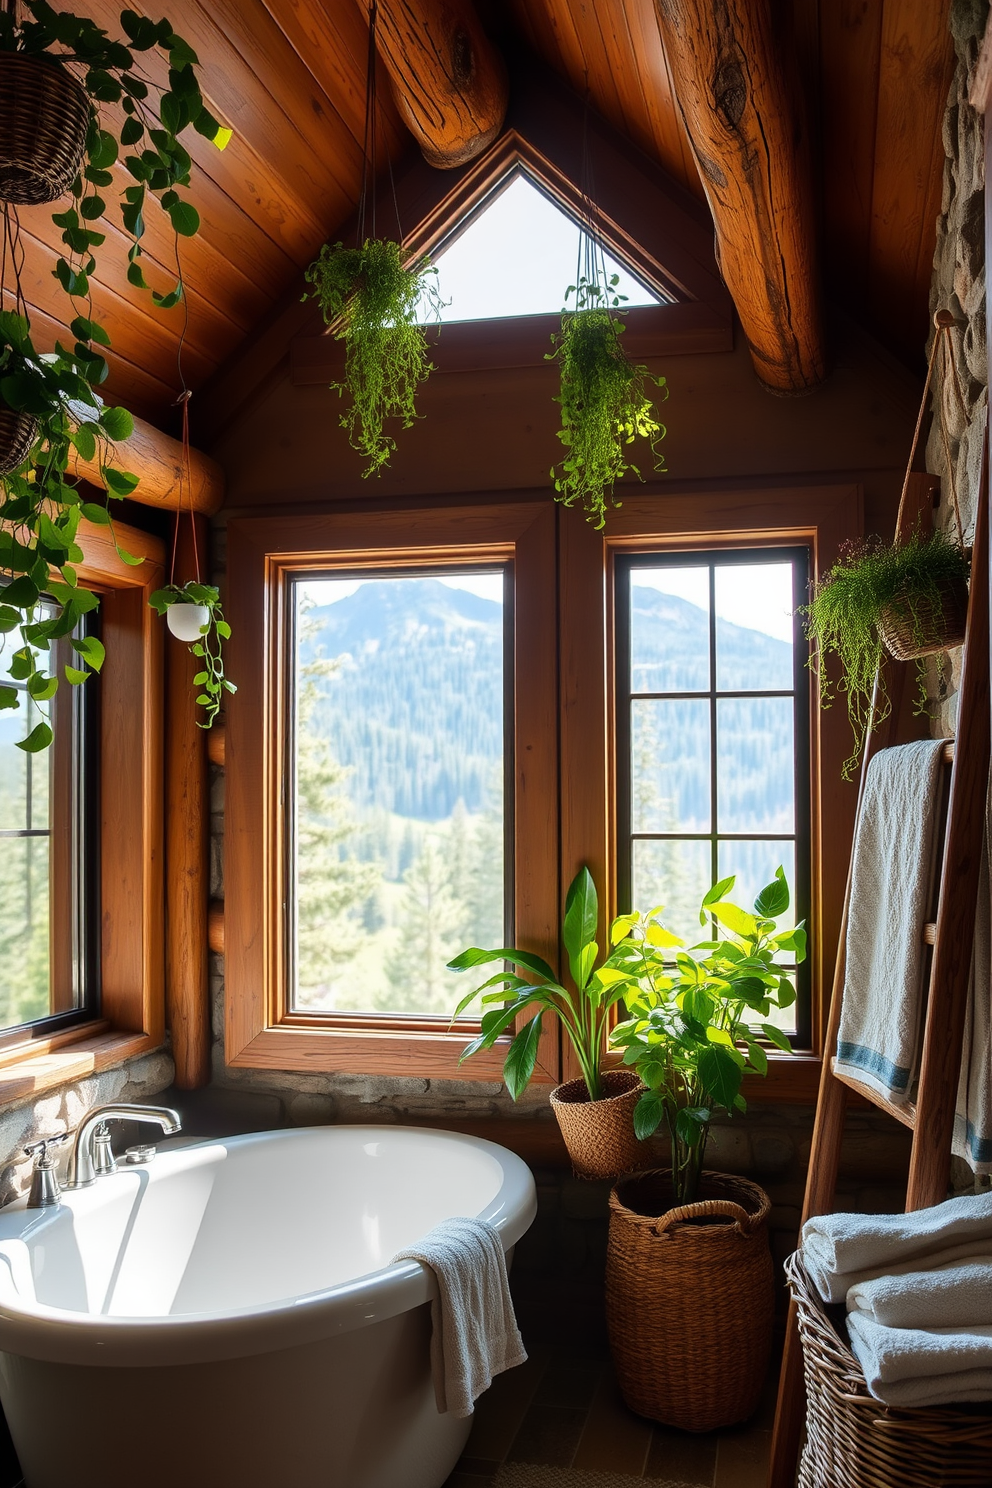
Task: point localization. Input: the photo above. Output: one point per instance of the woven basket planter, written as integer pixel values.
(690, 1299)
(853, 1441)
(17, 435)
(937, 626)
(44, 115)
(599, 1134)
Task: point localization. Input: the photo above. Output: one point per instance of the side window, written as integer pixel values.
(49, 861)
(712, 733)
(400, 821)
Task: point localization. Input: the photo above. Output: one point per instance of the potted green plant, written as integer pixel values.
(376, 302)
(193, 614)
(689, 1280)
(58, 71)
(595, 1111)
(604, 398)
(911, 598)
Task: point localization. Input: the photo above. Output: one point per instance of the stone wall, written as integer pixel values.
(959, 286)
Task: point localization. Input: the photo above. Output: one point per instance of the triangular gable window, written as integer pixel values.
(517, 257)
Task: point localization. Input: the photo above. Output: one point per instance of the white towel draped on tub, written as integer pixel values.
(954, 1296)
(910, 1367)
(842, 1250)
(891, 875)
(475, 1334)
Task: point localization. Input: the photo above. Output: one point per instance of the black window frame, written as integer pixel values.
(711, 557)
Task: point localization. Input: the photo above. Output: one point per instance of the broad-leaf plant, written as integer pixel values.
(698, 1018)
(40, 508)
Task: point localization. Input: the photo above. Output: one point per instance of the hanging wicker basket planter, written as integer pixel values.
(599, 1134)
(930, 624)
(17, 435)
(854, 1440)
(690, 1299)
(44, 116)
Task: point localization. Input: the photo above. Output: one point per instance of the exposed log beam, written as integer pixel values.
(448, 80)
(741, 119)
(157, 461)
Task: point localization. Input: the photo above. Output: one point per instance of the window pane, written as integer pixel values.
(399, 787)
(24, 937)
(754, 631)
(755, 765)
(670, 765)
(676, 875)
(669, 629)
(14, 766)
(754, 864)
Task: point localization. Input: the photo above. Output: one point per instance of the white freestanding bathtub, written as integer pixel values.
(227, 1316)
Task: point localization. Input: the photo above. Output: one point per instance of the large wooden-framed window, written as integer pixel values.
(817, 519)
(268, 559)
(123, 854)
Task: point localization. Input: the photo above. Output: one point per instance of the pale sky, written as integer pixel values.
(330, 591)
(755, 596)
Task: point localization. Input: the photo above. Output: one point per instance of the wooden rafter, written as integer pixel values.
(448, 80)
(741, 121)
(157, 461)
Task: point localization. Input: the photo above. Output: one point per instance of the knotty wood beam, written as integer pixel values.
(739, 116)
(157, 461)
(448, 80)
(187, 850)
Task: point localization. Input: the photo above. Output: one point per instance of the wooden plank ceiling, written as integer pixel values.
(289, 77)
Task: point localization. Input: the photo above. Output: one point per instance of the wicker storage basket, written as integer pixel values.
(937, 626)
(853, 1441)
(599, 1134)
(44, 115)
(17, 435)
(690, 1299)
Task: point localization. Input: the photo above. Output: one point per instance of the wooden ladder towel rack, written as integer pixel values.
(931, 1117)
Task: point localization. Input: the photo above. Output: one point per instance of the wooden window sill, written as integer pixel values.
(33, 1073)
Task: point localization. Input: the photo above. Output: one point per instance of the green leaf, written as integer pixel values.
(793, 940)
(39, 738)
(90, 648)
(774, 897)
(777, 1037)
(736, 920)
(757, 1056)
(10, 618)
(720, 1073)
(23, 593)
(476, 957)
(185, 218)
(117, 423)
(648, 1115)
(9, 697)
(119, 482)
(93, 512)
(73, 675)
(41, 687)
(691, 1123)
(522, 1057)
(84, 440)
(581, 917)
(715, 894)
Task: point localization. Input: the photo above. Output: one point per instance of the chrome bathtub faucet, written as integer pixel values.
(91, 1154)
(45, 1188)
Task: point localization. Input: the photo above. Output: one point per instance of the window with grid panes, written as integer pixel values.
(712, 734)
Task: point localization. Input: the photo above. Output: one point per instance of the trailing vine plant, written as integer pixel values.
(604, 398)
(209, 647)
(50, 411)
(377, 303)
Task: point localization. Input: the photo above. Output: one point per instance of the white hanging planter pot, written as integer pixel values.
(187, 621)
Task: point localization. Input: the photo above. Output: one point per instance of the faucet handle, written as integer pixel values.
(45, 1189)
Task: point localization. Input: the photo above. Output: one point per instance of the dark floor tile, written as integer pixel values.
(461, 1479)
(499, 1413)
(478, 1467)
(742, 1458)
(682, 1457)
(549, 1435)
(614, 1439)
(570, 1385)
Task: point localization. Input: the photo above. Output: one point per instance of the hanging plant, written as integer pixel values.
(605, 402)
(57, 70)
(193, 614)
(376, 304)
(912, 598)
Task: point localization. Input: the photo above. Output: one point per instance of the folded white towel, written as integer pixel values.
(917, 1367)
(973, 1113)
(475, 1334)
(955, 1296)
(891, 874)
(841, 1250)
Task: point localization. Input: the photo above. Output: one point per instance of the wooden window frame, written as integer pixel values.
(761, 516)
(263, 553)
(132, 999)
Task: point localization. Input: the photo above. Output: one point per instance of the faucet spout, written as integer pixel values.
(82, 1171)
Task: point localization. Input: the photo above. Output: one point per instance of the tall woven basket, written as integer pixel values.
(44, 116)
(599, 1134)
(934, 624)
(853, 1441)
(690, 1299)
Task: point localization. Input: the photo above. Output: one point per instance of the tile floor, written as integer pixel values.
(563, 1408)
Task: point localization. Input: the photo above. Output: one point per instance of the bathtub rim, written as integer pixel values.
(57, 1335)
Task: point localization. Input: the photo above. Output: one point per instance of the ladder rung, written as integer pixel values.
(905, 1113)
(947, 755)
(930, 934)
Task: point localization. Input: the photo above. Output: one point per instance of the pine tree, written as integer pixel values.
(429, 922)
